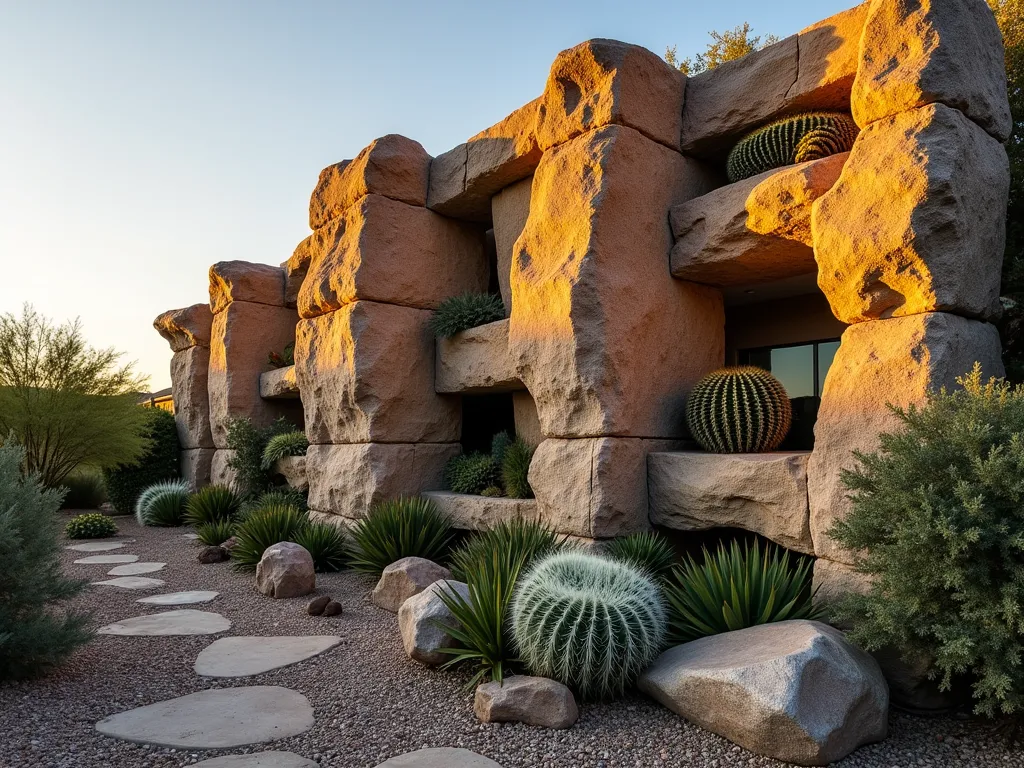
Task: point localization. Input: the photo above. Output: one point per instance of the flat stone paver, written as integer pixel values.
(191, 536)
(135, 569)
(260, 760)
(179, 598)
(441, 757)
(215, 719)
(96, 546)
(131, 582)
(244, 656)
(183, 622)
(107, 559)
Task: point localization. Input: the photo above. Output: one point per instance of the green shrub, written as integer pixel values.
(403, 527)
(649, 551)
(34, 635)
(278, 497)
(938, 523)
(282, 359)
(326, 544)
(523, 538)
(286, 444)
(515, 469)
(737, 588)
(587, 621)
(265, 528)
(739, 410)
(215, 532)
(158, 462)
(90, 526)
(249, 442)
(792, 139)
(471, 472)
(499, 444)
(162, 504)
(84, 489)
(469, 310)
(211, 504)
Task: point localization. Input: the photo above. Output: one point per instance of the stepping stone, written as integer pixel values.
(107, 559)
(192, 537)
(179, 598)
(443, 757)
(244, 656)
(131, 582)
(134, 569)
(183, 622)
(260, 760)
(96, 546)
(219, 718)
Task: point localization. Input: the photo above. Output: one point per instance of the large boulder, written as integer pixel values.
(187, 327)
(310, 249)
(405, 578)
(420, 618)
(197, 466)
(245, 281)
(476, 360)
(795, 691)
(293, 470)
(285, 570)
(480, 513)
(525, 699)
(190, 370)
(220, 471)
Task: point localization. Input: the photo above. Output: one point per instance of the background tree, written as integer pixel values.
(66, 403)
(724, 46)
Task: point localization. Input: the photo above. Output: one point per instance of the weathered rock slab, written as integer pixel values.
(510, 209)
(419, 618)
(185, 328)
(136, 569)
(246, 656)
(279, 383)
(190, 597)
(525, 699)
(480, 513)
(476, 360)
(405, 578)
(183, 622)
(439, 757)
(245, 281)
(220, 471)
(285, 570)
(190, 370)
(293, 470)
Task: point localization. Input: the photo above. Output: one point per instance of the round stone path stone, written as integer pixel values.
(96, 546)
(131, 582)
(443, 757)
(220, 718)
(244, 656)
(107, 559)
(260, 760)
(134, 569)
(179, 598)
(190, 536)
(183, 622)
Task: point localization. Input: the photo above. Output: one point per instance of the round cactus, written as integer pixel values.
(793, 139)
(739, 410)
(92, 525)
(592, 623)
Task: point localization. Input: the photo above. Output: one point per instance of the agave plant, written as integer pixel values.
(403, 527)
(269, 526)
(325, 543)
(212, 504)
(214, 533)
(287, 444)
(527, 538)
(288, 497)
(162, 504)
(649, 551)
(736, 588)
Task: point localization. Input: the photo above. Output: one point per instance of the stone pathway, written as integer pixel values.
(107, 559)
(444, 757)
(135, 569)
(245, 656)
(183, 622)
(131, 582)
(260, 760)
(95, 546)
(179, 598)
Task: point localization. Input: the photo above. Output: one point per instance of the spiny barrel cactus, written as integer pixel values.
(739, 410)
(592, 623)
(793, 139)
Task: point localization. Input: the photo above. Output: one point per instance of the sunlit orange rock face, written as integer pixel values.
(245, 281)
(187, 327)
(915, 222)
(476, 360)
(510, 209)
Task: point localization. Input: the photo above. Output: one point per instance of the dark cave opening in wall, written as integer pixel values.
(484, 416)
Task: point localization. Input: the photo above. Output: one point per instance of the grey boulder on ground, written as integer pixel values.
(285, 570)
(131, 582)
(405, 578)
(245, 656)
(136, 569)
(796, 691)
(183, 622)
(215, 719)
(180, 598)
(96, 546)
(525, 699)
(271, 759)
(419, 621)
(443, 757)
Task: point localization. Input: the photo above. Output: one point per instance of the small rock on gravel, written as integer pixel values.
(405, 578)
(333, 608)
(525, 699)
(317, 605)
(209, 555)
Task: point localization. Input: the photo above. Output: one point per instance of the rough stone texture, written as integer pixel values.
(305, 253)
(439, 757)
(476, 360)
(246, 656)
(793, 690)
(184, 328)
(269, 759)
(366, 373)
(220, 472)
(946, 51)
(392, 166)
(389, 251)
(136, 569)
(279, 383)
(196, 466)
(348, 479)
(293, 469)
(480, 513)
(190, 597)
(828, 59)
(95, 546)
(182, 622)
(418, 619)
(761, 492)
(510, 209)
(245, 281)
(215, 719)
(106, 559)
(916, 222)
(525, 699)
(213, 554)
(527, 421)
(603, 82)
(405, 578)
(832, 580)
(887, 361)
(244, 333)
(189, 387)
(595, 487)
(754, 231)
(285, 570)
(608, 344)
(130, 582)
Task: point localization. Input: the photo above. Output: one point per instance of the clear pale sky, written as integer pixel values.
(142, 141)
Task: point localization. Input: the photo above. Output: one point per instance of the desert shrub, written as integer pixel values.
(265, 528)
(35, 634)
(84, 489)
(739, 410)
(499, 444)
(736, 588)
(724, 46)
(469, 310)
(215, 532)
(278, 497)
(211, 504)
(326, 543)
(286, 444)
(527, 538)
(162, 504)
(938, 523)
(649, 551)
(249, 442)
(515, 469)
(471, 472)
(588, 621)
(397, 528)
(90, 526)
(159, 461)
(282, 359)
(792, 139)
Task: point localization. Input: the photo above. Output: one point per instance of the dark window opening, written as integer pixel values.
(484, 416)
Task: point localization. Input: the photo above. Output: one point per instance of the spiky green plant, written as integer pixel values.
(530, 539)
(211, 504)
(792, 139)
(499, 444)
(737, 588)
(588, 621)
(288, 497)
(271, 525)
(471, 472)
(739, 410)
(492, 491)
(162, 504)
(92, 525)
(515, 469)
(397, 528)
(649, 551)
(326, 543)
(287, 444)
(215, 532)
(469, 310)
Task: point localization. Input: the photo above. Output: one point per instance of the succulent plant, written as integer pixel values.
(212, 504)
(459, 313)
(162, 503)
(739, 410)
(92, 525)
(792, 139)
(215, 533)
(471, 472)
(397, 528)
(288, 444)
(649, 551)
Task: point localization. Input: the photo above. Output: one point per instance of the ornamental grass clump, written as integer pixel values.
(215, 533)
(937, 522)
(460, 313)
(85, 489)
(515, 469)
(211, 504)
(649, 551)
(397, 528)
(527, 538)
(162, 504)
(287, 444)
(326, 544)
(471, 473)
(265, 528)
(92, 525)
(278, 497)
(590, 622)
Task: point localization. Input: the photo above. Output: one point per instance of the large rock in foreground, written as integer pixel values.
(793, 690)
(525, 699)
(285, 570)
(419, 620)
(405, 578)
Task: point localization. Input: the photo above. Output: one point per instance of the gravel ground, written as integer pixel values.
(370, 701)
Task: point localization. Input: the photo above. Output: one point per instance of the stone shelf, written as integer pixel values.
(279, 384)
(476, 361)
(477, 513)
(761, 492)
